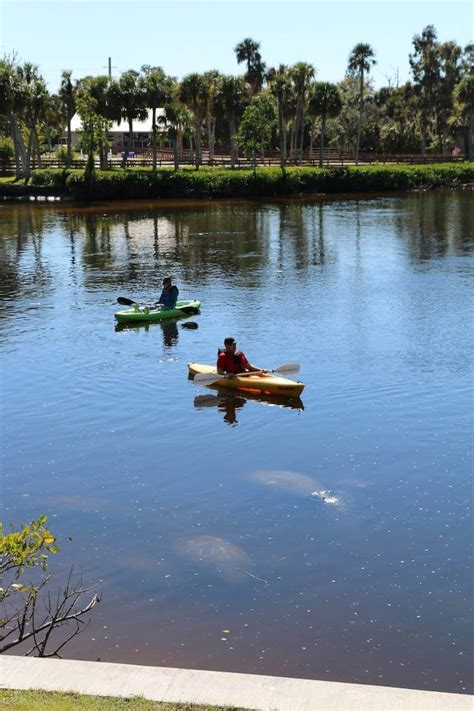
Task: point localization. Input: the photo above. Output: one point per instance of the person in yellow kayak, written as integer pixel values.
(169, 295)
(231, 362)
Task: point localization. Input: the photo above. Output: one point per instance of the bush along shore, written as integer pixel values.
(143, 183)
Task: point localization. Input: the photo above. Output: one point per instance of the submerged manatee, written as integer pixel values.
(288, 480)
(295, 482)
(226, 558)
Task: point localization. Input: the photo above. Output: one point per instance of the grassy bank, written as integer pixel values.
(53, 701)
(135, 183)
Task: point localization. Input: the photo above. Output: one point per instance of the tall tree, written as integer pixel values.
(248, 51)
(255, 130)
(12, 106)
(281, 86)
(158, 89)
(67, 94)
(94, 134)
(325, 101)
(98, 90)
(425, 67)
(232, 99)
(450, 74)
(465, 97)
(301, 73)
(177, 123)
(361, 59)
(128, 99)
(192, 93)
(212, 82)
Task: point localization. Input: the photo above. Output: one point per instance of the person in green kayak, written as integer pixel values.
(169, 295)
(231, 362)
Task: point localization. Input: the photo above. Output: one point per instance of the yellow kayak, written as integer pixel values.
(264, 383)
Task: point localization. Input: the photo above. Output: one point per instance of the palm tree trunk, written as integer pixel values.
(233, 155)
(153, 136)
(197, 140)
(69, 142)
(359, 121)
(130, 139)
(37, 149)
(282, 132)
(302, 132)
(321, 145)
(175, 153)
(18, 145)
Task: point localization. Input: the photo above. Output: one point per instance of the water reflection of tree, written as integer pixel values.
(301, 235)
(436, 224)
(21, 234)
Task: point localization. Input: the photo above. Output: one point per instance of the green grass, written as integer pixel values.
(54, 701)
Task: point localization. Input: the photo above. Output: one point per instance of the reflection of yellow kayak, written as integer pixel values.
(264, 383)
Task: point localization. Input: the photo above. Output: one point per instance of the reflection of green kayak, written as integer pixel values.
(149, 313)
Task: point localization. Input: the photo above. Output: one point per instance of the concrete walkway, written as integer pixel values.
(269, 693)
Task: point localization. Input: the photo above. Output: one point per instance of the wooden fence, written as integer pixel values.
(331, 158)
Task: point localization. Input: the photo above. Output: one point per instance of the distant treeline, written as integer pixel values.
(267, 108)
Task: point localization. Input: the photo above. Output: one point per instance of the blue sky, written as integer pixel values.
(195, 36)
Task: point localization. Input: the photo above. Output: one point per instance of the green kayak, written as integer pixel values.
(150, 313)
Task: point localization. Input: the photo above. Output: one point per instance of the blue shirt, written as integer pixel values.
(169, 297)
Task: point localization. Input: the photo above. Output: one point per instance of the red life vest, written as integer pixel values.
(232, 362)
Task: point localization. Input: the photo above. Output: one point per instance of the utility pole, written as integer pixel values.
(110, 67)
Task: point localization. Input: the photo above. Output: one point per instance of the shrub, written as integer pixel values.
(135, 183)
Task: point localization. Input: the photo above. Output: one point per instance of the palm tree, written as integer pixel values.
(325, 100)
(67, 94)
(301, 73)
(128, 101)
(465, 96)
(212, 81)
(248, 51)
(233, 97)
(177, 123)
(192, 93)
(12, 105)
(36, 101)
(281, 86)
(361, 59)
(158, 90)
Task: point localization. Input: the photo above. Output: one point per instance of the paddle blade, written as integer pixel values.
(125, 302)
(288, 368)
(206, 378)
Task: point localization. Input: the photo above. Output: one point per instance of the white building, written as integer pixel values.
(119, 135)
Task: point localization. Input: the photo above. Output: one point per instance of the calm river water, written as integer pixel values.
(330, 539)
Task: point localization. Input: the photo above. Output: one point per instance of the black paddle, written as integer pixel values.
(192, 310)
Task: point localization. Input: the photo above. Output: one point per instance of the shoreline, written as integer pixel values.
(63, 185)
(218, 688)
